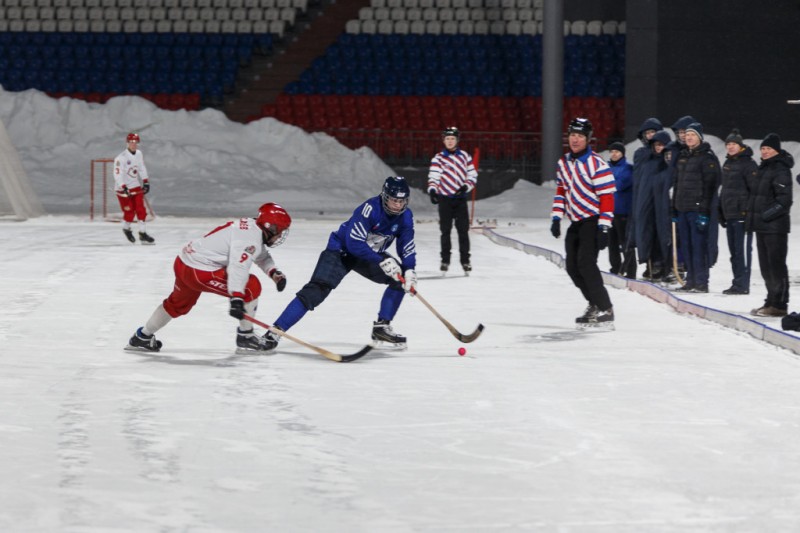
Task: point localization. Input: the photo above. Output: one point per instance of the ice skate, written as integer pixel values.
(145, 238)
(248, 343)
(143, 343)
(384, 337)
(599, 321)
(129, 234)
(444, 267)
(591, 311)
(467, 268)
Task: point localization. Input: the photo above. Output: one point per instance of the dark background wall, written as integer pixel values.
(731, 63)
(728, 63)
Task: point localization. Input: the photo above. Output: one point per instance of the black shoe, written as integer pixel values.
(467, 268)
(248, 341)
(444, 266)
(129, 234)
(685, 288)
(699, 288)
(735, 290)
(602, 316)
(144, 343)
(588, 314)
(145, 238)
(382, 331)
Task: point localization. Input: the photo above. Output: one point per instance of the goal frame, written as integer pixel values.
(100, 188)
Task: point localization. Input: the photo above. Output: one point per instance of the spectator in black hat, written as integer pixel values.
(738, 175)
(696, 180)
(768, 216)
(621, 256)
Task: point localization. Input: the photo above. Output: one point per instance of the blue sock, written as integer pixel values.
(291, 315)
(390, 303)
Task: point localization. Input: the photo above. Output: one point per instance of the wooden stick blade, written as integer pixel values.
(471, 337)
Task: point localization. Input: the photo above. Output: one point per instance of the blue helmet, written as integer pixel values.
(396, 188)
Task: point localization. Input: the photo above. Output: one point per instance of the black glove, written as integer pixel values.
(237, 308)
(434, 197)
(124, 191)
(555, 228)
(279, 278)
(722, 222)
(602, 237)
(462, 189)
(146, 187)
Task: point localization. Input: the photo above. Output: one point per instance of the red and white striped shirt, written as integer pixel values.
(584, 188)
(449, 171)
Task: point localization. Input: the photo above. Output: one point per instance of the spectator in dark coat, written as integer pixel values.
(620, 255)
(696, 181)
(768, 216)
(674, 148)
(651, 209)
(648, 128)
(738, 172)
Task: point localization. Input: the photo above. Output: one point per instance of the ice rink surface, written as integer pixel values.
(670, 423)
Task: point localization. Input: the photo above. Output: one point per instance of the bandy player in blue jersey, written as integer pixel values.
(361, 245)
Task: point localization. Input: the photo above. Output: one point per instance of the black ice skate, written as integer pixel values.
(248, 343)
(467, 268)
(444, 267)
(590, 312)
(129, 234)
(145, 238)
(600, 320)
(384, 337)
(143, 343)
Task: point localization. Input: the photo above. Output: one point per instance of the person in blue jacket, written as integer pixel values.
(360, 244)
(621, 256)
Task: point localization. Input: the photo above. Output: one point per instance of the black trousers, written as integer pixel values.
(622, 258)
(454, 210)
(581, 248)
(772, 250)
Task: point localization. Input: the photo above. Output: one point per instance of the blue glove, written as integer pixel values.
(675, 216)
(555, 228)
(702, 223)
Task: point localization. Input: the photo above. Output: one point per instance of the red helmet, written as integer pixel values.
(274, 221)
(133, 137)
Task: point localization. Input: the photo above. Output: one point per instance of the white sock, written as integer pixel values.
(249, 308)
(142, 228)
(158, 320)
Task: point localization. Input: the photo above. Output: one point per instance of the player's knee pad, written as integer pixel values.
(176, 308)
(253, 289)
(313, 294)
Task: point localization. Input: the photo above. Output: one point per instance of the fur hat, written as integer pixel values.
(617, 146)
(697, 128)
(773, 140)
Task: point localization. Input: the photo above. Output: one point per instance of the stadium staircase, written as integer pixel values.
(296, 58)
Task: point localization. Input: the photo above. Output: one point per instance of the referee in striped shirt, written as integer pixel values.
(451, 178)
(585, 190)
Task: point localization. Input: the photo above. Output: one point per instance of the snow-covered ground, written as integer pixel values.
(670, 423)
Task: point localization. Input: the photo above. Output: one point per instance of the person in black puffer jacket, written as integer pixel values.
(738, 172)
(696, 181)
(768, 216)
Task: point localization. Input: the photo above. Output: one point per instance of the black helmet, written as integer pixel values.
(451, 131)
(580, 125)
(395, 187)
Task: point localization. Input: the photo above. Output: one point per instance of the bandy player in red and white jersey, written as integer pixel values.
(132, 182)
(219, 263)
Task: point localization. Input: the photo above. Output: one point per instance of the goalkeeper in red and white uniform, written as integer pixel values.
(132, 182)
(219, 263)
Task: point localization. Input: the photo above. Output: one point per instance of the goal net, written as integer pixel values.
(18, 201)
(103, 202)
